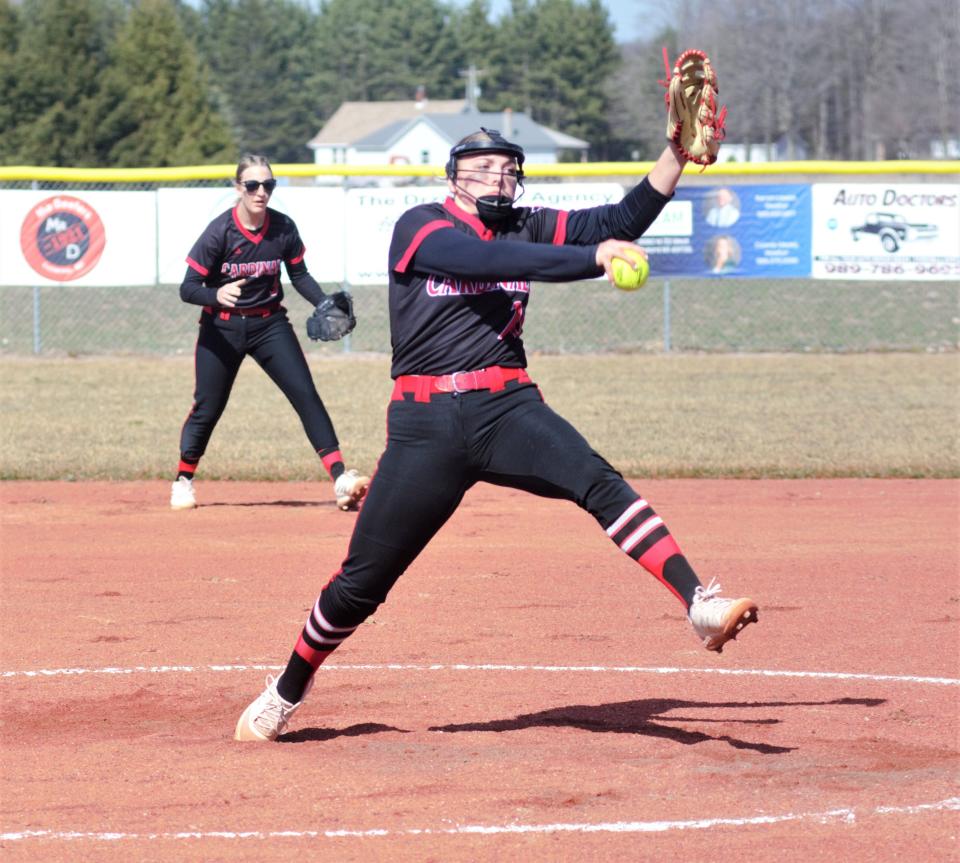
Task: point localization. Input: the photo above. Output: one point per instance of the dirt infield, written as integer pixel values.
(526, 690)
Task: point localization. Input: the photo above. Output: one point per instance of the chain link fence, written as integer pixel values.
(676, 314)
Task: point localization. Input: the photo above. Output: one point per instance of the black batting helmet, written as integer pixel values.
(484, 141)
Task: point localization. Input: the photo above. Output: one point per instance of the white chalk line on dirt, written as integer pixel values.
(844, 815)
(596, 669)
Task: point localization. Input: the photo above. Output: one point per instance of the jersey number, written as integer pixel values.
(515, 325)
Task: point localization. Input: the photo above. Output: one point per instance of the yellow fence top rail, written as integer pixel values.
(563, 169)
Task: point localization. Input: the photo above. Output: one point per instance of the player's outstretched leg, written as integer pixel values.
(717, 620)
(642, 535)
(570, 468)
(266, 717)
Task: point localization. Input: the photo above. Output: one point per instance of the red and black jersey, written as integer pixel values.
(227, 251)
(459, 292)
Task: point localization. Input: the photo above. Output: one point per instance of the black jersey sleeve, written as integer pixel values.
(201, 280)
(193, 290)
(411, 229)
(458, 255)
(626, 220)
(306, 285)
(207, 252)
(293, 258)
(425, 240)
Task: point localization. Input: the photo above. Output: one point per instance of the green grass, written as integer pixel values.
(761, 415)
(721, 315)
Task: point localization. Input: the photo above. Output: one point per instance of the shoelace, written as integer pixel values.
(711, 606)
(711, 591)
(274, 716)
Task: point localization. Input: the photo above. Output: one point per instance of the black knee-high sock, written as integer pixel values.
(295, 678)
(678, 573)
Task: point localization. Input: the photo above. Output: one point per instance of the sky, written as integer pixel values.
(631, 19)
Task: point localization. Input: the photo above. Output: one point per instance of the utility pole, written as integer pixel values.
(472, 87)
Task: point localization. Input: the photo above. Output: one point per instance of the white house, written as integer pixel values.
(355, 120)
(426, 140)
(375, 135)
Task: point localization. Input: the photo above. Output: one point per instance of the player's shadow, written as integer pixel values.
(648, 717)
(304, 735)
(290, 503)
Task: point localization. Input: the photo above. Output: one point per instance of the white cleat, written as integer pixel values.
(717, 620)
(350, 489)
(267, 716)
(182, 495)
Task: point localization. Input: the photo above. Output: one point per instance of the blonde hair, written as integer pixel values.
(248, 160)
(472, 138)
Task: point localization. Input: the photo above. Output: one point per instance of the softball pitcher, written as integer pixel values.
(464, 410)
(233, 272)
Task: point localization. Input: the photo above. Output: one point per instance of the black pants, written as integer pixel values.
(435, 452)
(221, 347)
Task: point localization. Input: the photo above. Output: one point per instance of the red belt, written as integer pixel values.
(494, 378)
(258, 312)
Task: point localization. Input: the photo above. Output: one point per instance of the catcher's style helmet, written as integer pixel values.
(490, 141)
(495, 211)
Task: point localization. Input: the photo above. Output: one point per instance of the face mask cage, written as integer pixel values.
(494, 211)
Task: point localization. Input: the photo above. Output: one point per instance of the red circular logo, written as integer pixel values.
(62, 238)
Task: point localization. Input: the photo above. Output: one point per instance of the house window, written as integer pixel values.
(424, 157)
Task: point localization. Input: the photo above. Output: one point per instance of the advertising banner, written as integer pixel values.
(372, 213)
(876, 231)
(81, 237)
(742, 231)
(886, 231)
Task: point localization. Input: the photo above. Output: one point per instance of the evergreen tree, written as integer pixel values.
(261, 56)
(477, 41)
(510, 63)
(9, 27)
(375, 51)
(156, 105)
(569, 55)
(51, 77)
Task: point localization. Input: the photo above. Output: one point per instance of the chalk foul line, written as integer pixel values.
(847, 815)
(565, 669)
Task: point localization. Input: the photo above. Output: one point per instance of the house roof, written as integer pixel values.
(564, 141)
(516, 127)
(355, 120)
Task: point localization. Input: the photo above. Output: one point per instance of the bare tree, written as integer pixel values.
(847, 79)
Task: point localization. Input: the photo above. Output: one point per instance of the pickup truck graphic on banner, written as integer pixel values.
(886, 231)
(893, 230)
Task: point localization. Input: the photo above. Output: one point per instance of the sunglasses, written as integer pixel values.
(252, 185)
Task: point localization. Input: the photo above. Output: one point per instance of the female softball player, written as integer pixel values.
(464, 409)
(234, 273)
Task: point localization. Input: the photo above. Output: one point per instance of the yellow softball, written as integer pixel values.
(626, 277)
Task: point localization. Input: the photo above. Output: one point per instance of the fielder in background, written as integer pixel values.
(464, 410)
(233, 272)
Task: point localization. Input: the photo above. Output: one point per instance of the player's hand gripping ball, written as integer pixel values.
(626, 277)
